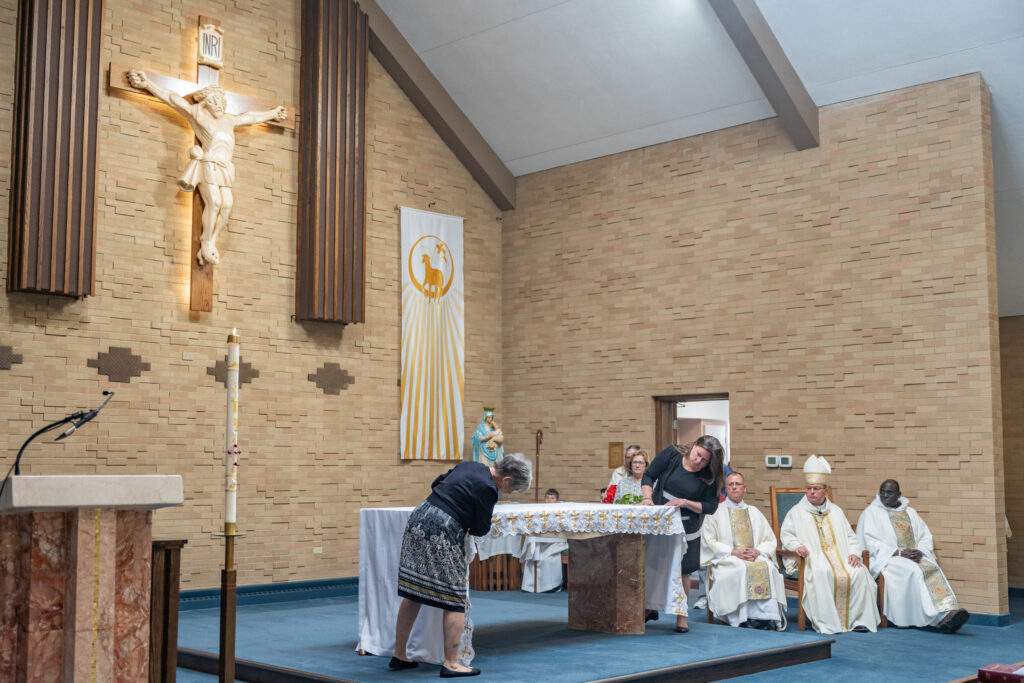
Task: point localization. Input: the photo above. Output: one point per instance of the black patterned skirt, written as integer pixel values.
(432, 567)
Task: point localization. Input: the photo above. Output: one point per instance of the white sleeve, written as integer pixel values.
(711, 543)
(875, 541)
(851, 538)
(768, 544)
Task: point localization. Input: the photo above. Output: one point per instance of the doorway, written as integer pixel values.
(682, 418)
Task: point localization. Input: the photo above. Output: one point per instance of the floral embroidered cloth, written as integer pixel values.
(569, 519)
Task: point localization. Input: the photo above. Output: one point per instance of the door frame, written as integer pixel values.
(665, 415)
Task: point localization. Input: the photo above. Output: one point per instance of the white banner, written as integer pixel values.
(433, 336)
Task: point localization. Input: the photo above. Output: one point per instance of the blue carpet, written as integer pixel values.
(521, 637)
(518, 637)
(188, 676)
(908, 654)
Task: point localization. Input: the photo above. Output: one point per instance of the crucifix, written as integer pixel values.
(213, 113)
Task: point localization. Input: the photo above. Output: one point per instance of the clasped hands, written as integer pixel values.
(913, 555)
(854, 561)
(746, 554)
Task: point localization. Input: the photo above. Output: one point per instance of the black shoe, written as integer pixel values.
(682, 629)
(954, 621)
(861, 629)
(651, 615)
(448, 673)
(397, 664)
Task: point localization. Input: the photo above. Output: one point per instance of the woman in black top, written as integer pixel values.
(688, 477)
(432, 566)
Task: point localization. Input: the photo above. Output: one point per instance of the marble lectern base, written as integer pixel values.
(74, 595)
(606, 584)
(75, 575)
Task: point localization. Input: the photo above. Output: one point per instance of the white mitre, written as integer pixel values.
(816, 470)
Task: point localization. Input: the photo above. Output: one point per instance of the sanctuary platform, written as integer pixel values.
(518, 637)
(524, 637)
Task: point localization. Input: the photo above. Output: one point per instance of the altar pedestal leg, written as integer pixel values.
(606, 584)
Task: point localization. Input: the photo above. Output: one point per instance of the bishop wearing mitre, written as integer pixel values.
(839, 593)
(738, 545)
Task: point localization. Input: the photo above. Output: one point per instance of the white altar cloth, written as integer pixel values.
(380, 544)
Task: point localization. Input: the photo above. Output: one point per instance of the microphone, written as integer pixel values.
(82, 418)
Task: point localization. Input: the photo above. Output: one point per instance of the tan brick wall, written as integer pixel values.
(1011, 347)
(310, 460)
(843, 296)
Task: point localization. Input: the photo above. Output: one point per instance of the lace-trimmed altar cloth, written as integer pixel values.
(596, 519)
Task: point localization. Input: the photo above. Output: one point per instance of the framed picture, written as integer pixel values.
(616, 449)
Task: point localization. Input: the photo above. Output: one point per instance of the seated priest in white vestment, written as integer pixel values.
(839, 593)
(916, 591)
(738, 544)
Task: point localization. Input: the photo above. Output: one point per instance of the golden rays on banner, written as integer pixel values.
(433, 336)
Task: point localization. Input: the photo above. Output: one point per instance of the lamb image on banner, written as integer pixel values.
(433, 336)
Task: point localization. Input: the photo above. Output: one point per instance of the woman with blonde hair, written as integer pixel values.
(629, 489)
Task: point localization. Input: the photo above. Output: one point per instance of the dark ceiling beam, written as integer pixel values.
(771, 69)
(393, 51)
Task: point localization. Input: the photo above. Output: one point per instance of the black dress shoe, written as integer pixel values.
(397, 664)
(651, 615)
(449, 673)
(682, 629)
(954, 621)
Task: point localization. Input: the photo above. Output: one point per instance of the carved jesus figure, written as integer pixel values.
(210, 167)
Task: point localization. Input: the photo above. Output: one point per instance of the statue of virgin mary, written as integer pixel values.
(487, 440)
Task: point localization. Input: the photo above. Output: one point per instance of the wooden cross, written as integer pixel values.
(210, 60)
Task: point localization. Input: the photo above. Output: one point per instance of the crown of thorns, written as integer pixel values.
(210, 91)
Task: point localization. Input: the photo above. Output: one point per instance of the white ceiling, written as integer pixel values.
(552, 82)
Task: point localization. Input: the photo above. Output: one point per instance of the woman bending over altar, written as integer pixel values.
(432, 567)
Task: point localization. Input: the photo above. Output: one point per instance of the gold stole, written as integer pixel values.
(938, 587)
(758, 587)
(840, 576)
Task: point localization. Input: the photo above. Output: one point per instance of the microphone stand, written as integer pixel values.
(77, 415)
(77, 418)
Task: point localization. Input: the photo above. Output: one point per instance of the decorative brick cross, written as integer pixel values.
(219, 371)
(119, 364)
(331, 379)
(8, 358)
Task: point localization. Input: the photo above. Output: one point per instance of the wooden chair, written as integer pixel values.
(782, 501)
(498, 573)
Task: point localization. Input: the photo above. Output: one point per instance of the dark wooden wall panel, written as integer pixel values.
(331, 251)
(53, 179)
